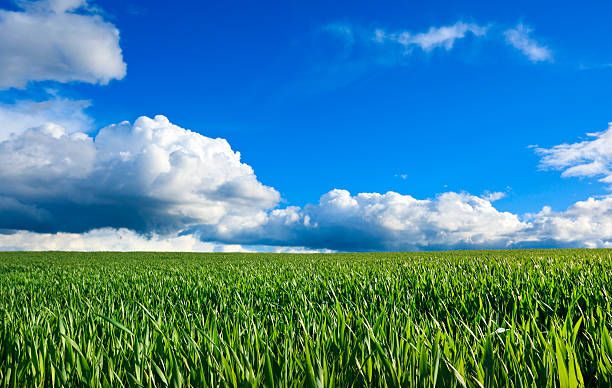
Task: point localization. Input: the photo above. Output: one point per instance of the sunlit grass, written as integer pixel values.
(486, 318)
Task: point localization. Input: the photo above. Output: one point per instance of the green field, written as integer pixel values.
(480, 318)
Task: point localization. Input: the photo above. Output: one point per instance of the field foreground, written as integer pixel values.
(480, 318)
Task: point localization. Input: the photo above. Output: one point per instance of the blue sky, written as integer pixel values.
(320, 96)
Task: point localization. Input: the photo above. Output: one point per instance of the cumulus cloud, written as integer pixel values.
(57, 40)
(587, 158)
(366, 221)
(435, 37)
(519, 37)
(584, 224)
(392, 222)
(152, 185)
(18, 117)
(150, 176)
(373, 221)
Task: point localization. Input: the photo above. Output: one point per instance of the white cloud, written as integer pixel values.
(519, 38)
(158, 179)
(364, 40)
(345, 52)
(584, 224)
(18, 117)
(125, 240)
(154, 186)
(391, 221)
(435, 37)
(367, 221)
(149, 176)
(493, 196)
(155, 179)
(588, 158)
(108, 239)
(57, 40)
(373, 221)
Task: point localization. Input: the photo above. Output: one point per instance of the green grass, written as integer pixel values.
(481, 318)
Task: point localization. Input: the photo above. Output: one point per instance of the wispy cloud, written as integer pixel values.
(18, 117)
(343, 31)
(444, 36)
(342, 53)
(519, 37)
(435, 37)
(587, 158)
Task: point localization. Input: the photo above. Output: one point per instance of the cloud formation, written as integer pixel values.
(519, 37)
(57, 40)
(152, 185)
(373, 221)
(109, 239)
(445, 37)
(151, 176)
(584, 224)
(588, 158)
(135, 186)
(22, 115)
(391, 222)
(395, 222)
(125, 240)
(435, 37)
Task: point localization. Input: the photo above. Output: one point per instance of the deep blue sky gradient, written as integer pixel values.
(307, 119)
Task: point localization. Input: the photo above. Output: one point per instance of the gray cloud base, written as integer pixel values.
(151, 176)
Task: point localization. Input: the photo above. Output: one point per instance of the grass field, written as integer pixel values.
(481, 318)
